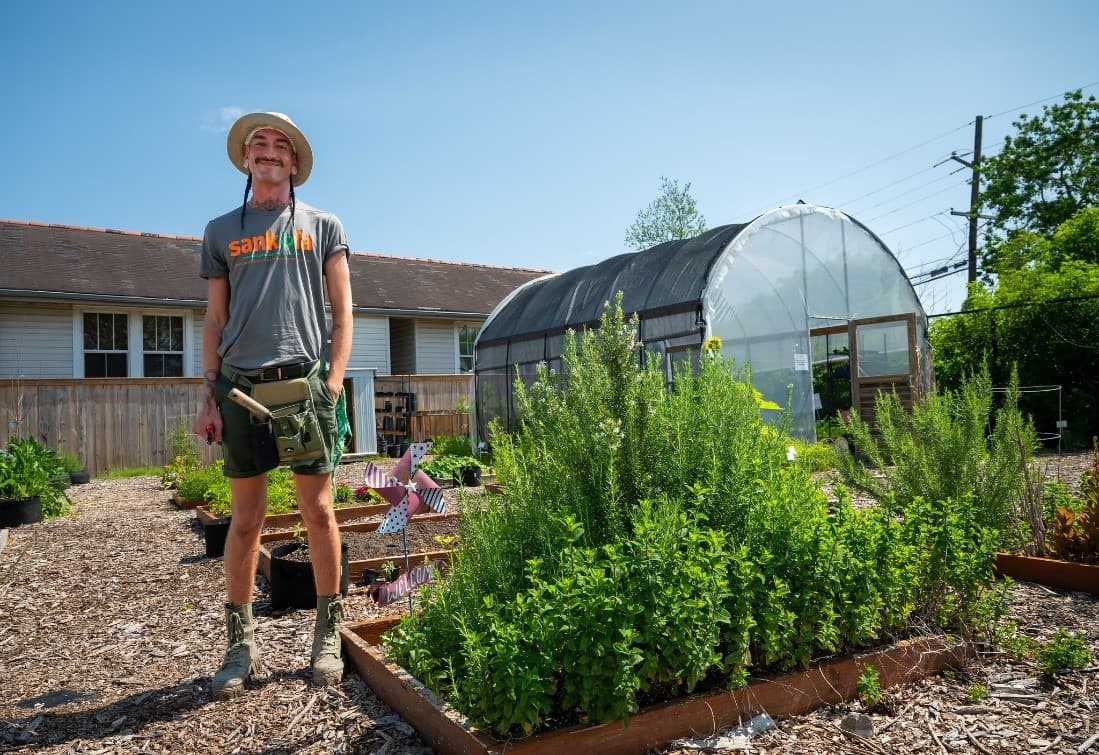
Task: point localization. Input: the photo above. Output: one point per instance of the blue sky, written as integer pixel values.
(516, 133)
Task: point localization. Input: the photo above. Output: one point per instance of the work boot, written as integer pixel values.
(242, 657)
(327, 662)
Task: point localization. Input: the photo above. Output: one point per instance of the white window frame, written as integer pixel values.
(476, 326)
(135, 357)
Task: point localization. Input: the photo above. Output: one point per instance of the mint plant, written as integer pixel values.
(655, 541)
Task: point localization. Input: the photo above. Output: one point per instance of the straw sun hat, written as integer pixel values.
(247, 124)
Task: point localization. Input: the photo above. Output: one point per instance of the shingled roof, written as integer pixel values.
(41, 262)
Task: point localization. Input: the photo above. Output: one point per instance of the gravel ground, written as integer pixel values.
(112, 627)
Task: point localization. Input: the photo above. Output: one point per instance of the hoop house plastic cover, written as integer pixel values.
(761, 287)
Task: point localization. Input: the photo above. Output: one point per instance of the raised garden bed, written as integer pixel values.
(827, 683)
(345, 514)
(1067, 575)
(184, 503)
(371, 552)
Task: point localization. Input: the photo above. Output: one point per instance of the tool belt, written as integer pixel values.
(284, 428)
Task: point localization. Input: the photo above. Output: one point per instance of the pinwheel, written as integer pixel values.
(406, 488)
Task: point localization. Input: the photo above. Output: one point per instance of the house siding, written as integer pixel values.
(435, 347)
(370, 344)
(197, 324)
(36, 341)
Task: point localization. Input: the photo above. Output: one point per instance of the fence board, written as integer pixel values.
(127, 422)
(108, 423)
(433, 392)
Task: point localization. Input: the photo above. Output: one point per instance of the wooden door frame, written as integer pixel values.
(913, 366)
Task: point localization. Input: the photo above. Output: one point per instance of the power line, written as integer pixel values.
(1018, 305)
(1039, 102)
(914, 222)
(925, 243)
(882, 160)
(902, 193)
(887, 186)
(940, 273)
(868, 221)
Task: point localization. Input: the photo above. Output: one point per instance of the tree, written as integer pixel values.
(1042, 176)
(672, 215)
(1041, 318)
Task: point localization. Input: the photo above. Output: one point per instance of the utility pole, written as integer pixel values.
(974, 196)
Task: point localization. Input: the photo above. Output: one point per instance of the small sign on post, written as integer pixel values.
(388, 592)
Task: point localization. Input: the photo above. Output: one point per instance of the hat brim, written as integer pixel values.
(234, 144)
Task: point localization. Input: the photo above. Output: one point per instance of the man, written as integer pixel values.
(268, 265)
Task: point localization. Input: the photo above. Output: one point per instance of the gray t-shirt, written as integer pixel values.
(276, 282)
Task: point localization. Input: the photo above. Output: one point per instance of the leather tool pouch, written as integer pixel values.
(294, 424)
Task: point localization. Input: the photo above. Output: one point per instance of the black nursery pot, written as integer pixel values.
(82, 477)
(17, 511)
(469, 476)
(215, 534)
(292, 583)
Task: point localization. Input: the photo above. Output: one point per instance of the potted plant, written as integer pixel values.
(291, 582)
(78, 474)
(27, 492)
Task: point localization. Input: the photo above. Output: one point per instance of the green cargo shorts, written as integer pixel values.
(236, 441)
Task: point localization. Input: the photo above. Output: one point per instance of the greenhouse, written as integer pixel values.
(806, 296)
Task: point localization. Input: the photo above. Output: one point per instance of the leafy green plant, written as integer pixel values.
(1065, 650)
(976, 693)
(653, 541)
(195, 483)
(342, 495)
(445, 467)
(389, 569)
(816, 457)
(69, 461)
(1074, 532)
(299, 534)
(27, 470)
(941, 451)
(868, 688)
(182, 444)
(451, 445)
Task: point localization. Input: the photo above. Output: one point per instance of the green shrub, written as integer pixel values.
(208, 483)
(1065, 650)
(815, 457)
(451, 445)
(195, 482)
(342, 495)
(942, 451)
(69, 461)
(445, 467)
(654, 540)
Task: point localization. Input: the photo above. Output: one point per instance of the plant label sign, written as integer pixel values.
(388, 592)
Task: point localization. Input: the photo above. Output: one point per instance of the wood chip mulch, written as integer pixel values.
(111, 626)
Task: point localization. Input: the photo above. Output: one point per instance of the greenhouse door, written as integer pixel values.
(883, 359)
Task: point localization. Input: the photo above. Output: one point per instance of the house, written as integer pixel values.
(93, 304)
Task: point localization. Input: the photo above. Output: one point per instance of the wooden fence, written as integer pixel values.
(109, 423)
(113, 423)
(434, 393)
